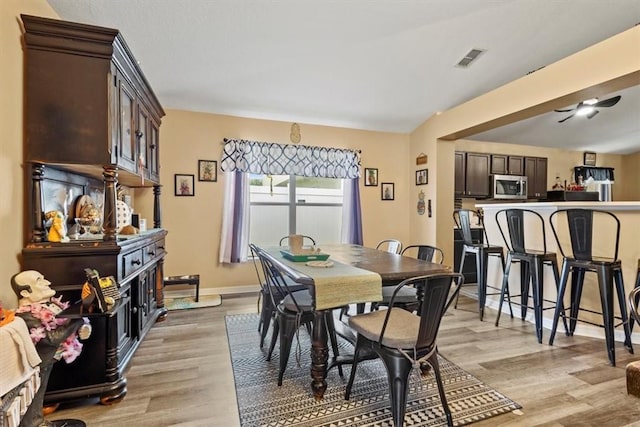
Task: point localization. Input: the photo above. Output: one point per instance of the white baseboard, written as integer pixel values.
(189, 290)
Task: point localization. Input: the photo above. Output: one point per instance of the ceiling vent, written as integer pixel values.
(469, 58)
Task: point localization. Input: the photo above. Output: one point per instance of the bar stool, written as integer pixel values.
(518, 228)
(482, 252)
(579, 259)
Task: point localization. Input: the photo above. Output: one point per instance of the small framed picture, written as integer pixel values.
(184, 185)
(422, 176)
(387, 191)
(589, 159)
(370, 177)
(207, 170)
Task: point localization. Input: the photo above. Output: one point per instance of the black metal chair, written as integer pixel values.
(408, 297)
(578, 258)
(522, 231)
(305, 239)
(390, 245)
(294, 310)
(482, 251)
(404, 340)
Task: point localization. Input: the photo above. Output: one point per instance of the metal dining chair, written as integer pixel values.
(390, 245)
(404, 340)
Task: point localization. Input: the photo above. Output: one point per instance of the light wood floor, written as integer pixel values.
(181, 374)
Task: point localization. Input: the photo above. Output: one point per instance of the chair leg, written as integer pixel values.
(459, 285)
(433, 360)
(505, 285)
(556, 276)
(538, 286)
(265, 321)
(561, 288)
(360, 341)
(398, 369)
(504, 266)
(605, 284)
(626, 319)
(287, 331)
(274, 338)
(525, 278)
(577, 281)
(482, 258)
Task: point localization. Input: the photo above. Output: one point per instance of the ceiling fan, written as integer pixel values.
(589, 107)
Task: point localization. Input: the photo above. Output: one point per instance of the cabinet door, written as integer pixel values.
(460, 172)
(127, 139)
(142, 140)
(477, 177)
(535, 169)
(153, 157)
(124, 335)
(516, 165)
(498, 164)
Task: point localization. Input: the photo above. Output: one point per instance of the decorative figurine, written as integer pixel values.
(58, 229)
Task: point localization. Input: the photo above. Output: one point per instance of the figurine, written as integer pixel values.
(58, 229)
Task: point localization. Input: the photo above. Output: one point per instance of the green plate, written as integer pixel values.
(319, 256)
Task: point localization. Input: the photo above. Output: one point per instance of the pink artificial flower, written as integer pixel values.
(37, 334)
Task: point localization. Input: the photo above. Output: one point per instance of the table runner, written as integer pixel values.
(338, 285)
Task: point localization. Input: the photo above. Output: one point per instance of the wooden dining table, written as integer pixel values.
(389, 270)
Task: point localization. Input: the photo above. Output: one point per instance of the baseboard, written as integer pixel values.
(190, 290)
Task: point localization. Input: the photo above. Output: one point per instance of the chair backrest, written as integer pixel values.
(434, 299)
(390, 245)
(425, 253)
(305, 239)
(275, 284)
(462, 218)
(519, 227)
(581, 224)
(634, 295)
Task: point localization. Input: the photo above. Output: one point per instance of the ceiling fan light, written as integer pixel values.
(590, 101)
(585, 110)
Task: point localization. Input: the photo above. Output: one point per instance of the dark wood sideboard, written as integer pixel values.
(92, 124)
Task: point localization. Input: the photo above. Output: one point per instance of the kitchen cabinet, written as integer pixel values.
(535, 169)
(502, 164)
(92, 123)
(472, 174)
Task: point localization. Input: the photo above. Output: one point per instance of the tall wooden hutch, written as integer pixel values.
(92, 122)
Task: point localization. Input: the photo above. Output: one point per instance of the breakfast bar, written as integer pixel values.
(629, 252)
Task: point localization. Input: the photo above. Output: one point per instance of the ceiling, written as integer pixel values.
(383, 65)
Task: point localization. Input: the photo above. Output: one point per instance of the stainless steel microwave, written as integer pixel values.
(509, 187)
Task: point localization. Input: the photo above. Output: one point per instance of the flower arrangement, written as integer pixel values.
(46, 312)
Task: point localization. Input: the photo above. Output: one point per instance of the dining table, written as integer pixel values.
(355, 276)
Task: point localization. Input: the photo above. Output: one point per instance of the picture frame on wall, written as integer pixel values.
(387, 191)
(589, 158)
(422, 177)
(207, 170)
(370, 177)
(184, 184)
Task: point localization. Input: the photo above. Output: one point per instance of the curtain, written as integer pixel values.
(234, 238)
(241, 157)
(280, 159)
(351, 213)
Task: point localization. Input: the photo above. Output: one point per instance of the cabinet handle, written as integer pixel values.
(149, 292)
(152, 146)
(136, 262)
(152, 253)
(139, 134)
(161, 247)
(134, 310)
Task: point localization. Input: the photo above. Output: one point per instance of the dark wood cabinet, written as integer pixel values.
(502, 164)
(535, 169)
(472, 174)
(92, 123)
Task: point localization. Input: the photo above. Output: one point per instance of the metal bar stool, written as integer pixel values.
(580, 259)
(519, 227)
(482, 252)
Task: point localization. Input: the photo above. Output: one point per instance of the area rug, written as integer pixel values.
(183, 303)
(262, 403)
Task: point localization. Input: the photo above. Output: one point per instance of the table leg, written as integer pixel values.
(319, 355)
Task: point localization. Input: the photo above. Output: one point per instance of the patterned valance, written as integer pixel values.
(278, 159)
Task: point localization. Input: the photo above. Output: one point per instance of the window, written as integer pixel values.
(289, 204)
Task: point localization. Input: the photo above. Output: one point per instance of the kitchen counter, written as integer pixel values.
(629, 252)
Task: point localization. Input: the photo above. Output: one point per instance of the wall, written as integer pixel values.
(11, 129)
(194, 223)
(627, 188)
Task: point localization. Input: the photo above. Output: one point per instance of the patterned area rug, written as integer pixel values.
(184, 303)
(262, 403)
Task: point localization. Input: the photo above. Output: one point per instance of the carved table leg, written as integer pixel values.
(319, 355)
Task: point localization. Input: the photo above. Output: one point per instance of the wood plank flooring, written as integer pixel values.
(181, 374)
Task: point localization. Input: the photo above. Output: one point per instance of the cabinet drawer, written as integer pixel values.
(131, 262)
(149, 253)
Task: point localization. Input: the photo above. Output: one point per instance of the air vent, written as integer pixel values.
(469, 58)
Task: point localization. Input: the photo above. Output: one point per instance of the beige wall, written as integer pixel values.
(194, 222)
(12, 135)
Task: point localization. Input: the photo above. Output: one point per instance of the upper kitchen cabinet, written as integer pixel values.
(89, 106)
(502, 164)
(535, 169)
(472, 174)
